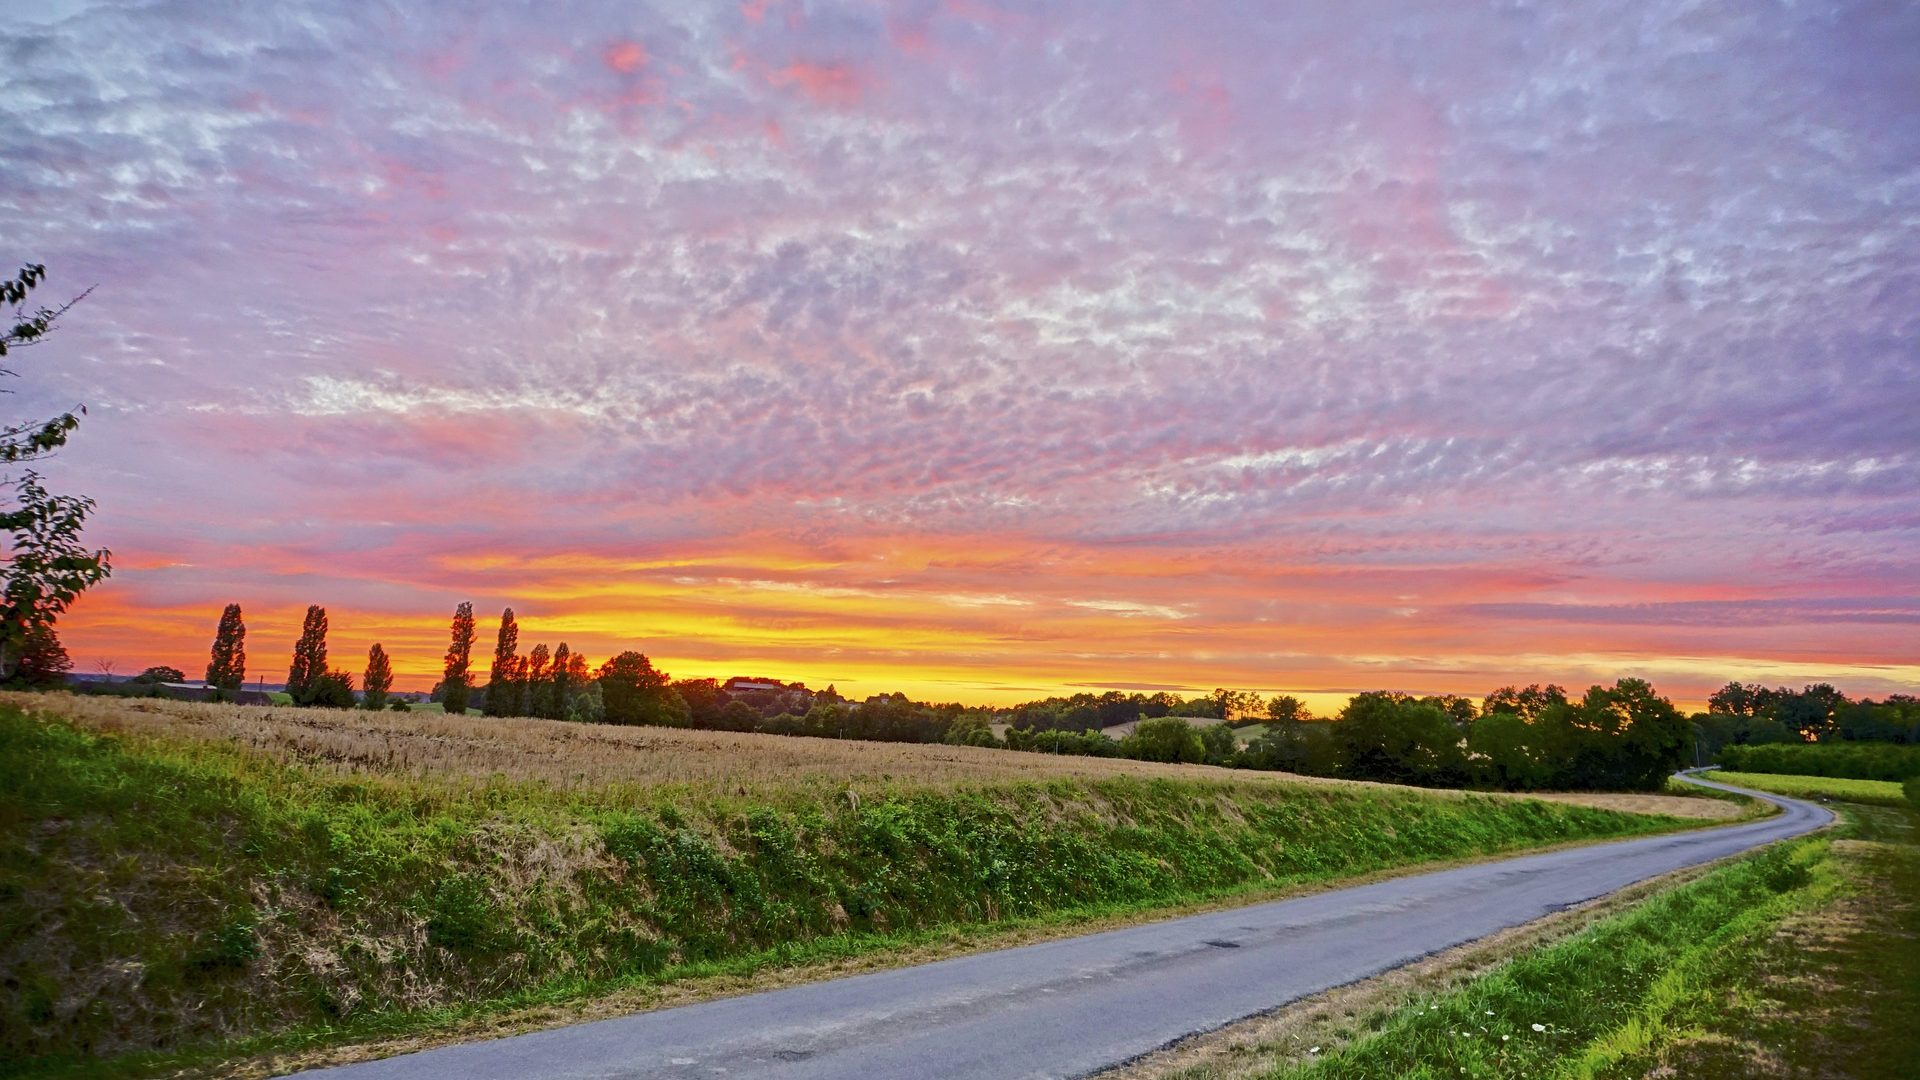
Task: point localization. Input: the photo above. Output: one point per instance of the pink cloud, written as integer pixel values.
(837, 84)
(1206, 111)
(910, 36)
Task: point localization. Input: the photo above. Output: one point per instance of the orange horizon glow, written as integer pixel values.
(977, 623)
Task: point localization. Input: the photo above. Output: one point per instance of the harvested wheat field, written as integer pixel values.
(1695, 807)
(563, 755)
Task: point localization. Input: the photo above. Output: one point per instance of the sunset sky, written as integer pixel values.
(988, 350)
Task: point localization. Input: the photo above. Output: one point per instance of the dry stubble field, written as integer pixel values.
(568, 756)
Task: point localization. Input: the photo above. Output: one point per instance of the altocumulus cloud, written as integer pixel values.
(1215, 346)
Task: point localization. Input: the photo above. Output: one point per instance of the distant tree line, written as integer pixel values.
(1624, 737)
(1748, 714)
(1619, 737)
(1094, 712)
(1850, 760)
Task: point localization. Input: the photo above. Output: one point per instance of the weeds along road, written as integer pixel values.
(1079, 1005)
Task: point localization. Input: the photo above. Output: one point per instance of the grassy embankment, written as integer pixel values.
(185, 883)
(1801, 960)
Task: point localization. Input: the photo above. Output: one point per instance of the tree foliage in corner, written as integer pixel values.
(46, 566)
(227, 668)
(43, 662)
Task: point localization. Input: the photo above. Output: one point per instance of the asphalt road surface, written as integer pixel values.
(1079, 1005)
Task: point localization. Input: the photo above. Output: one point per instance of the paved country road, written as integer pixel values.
(1078, 1005)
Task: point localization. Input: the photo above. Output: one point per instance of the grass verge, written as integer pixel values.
(1800, 960)
(171, 903)
(1833, 991)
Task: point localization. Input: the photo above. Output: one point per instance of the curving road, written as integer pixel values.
(1079, 1005)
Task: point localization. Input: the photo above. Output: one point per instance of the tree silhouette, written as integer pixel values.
(565, 684)
(42, 661)
(631, 689)
(378, 679)
(309, 665)
(457, 681)
(227, 668)
(501, 699)
(539, 687)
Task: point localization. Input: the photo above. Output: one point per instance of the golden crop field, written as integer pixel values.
(571, 755)
(564, 755)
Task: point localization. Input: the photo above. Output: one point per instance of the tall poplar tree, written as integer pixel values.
(560, 695)
(378, 679)
(516, 705)
(459, 660)
(539, 687)
(309, 656)
(228, 667)
(501, 699)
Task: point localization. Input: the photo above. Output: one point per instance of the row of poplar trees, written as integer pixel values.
(543, 683)
(309, 680)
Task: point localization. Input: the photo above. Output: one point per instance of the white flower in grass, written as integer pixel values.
(1314, 1050)
(1504, 1038)
(1489, 1012)
(1539, 1027)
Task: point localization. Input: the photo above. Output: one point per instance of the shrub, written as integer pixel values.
(1850, 761)
(1167, 738)
(331, 690)
(460, 914)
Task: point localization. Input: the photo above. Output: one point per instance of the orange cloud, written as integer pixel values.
(625, 57)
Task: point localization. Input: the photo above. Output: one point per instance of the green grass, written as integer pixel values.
(1875, 792)
(1832, 992)
(1593, 1004)
(1800, 960)
(185, 901)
